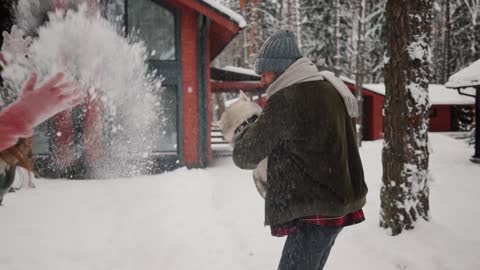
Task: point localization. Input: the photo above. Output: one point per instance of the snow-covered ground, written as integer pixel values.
(212, 219)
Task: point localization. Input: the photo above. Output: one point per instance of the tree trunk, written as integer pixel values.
(243, 9)
(360, 72)
(447, 53)
(298, 23)
(404, 193)
(337, 39)
(252, 44)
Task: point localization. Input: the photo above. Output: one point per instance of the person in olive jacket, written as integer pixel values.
(315, 177)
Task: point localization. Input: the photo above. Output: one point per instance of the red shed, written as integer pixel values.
(443, 115)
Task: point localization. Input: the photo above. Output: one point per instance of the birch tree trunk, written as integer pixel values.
(405, 192)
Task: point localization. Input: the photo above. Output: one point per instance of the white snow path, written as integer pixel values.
(212, 219)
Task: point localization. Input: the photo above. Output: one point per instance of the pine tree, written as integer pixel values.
(405, 192)
(262, 20)
(465, 36)
(456, 36)
(321, 44)
(319, 35)
(376, 39)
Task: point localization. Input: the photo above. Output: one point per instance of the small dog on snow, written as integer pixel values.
(233, 121)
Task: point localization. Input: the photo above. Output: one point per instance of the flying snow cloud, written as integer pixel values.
(110, 68)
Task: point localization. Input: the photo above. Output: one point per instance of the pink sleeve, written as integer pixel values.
(8, 136)
(34, 106)
(13, 126)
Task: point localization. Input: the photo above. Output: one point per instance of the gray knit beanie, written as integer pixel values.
(278, 53)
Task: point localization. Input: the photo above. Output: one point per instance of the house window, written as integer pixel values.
(164, 132)
(159, 27)
(155, 25)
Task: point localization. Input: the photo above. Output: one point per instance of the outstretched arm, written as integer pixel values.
(34, 106)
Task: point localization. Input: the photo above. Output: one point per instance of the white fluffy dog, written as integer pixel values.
(238, 115)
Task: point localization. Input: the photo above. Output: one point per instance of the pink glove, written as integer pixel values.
(34, 106)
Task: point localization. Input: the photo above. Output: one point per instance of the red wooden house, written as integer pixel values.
(190, 34)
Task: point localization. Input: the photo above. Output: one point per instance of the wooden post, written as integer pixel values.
(476, 156)
(189, 60)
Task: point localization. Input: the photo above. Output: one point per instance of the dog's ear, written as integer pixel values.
(244, 96)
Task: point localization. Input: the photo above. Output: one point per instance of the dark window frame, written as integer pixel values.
(171, 70)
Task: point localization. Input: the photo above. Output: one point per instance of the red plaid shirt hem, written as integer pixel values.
(291, 227)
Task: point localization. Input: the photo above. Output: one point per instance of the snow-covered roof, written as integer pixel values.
(240, 70)
(226, 11)
(439, 94)
(346, 79)
(466, 77)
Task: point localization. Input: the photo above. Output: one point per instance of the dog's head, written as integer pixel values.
(236, 114)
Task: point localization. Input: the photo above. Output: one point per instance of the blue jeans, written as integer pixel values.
(308, 248)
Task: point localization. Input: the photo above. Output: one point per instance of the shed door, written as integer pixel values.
(366, 115)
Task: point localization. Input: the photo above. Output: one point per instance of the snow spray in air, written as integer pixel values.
(109, 67)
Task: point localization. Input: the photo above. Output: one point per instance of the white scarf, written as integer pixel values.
(303, 70)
